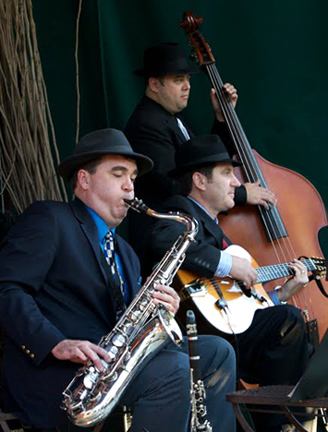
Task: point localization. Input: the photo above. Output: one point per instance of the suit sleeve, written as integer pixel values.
(25, 259)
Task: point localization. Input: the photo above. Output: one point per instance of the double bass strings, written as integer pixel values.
(272, 221)
(281, 244)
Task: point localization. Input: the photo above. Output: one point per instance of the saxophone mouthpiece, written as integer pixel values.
(137, 205)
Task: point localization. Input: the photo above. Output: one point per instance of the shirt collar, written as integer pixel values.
(204, 209)
(101, 225)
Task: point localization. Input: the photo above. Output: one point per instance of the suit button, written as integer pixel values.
(28, 351)
(32, 355)
(23, 347)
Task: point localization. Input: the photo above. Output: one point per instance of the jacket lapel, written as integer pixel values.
(130, 274)
(210, 225)
(169, 119)
(90, 230)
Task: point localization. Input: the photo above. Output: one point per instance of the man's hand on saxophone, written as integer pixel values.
(166, 296)
(81, 351)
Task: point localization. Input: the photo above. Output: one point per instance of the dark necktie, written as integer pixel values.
(224, 243)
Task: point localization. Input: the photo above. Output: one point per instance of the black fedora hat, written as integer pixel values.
(200, 151)
(165, 59)
(100, 143)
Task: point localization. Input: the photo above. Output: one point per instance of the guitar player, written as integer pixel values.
(274, 349)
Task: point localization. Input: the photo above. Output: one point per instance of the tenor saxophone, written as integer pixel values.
(143, 328)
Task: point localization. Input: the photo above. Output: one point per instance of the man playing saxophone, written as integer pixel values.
(66, 279)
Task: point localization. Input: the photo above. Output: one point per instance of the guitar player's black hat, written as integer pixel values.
(198, 152)
(165, 59)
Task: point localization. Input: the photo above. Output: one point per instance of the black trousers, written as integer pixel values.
(273, 351)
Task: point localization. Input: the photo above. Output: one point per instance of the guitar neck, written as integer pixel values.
(269, 273)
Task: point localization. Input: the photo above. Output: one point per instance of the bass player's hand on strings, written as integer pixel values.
(231, 93)
(257, 195)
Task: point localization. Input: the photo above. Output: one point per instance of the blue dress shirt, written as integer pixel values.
(102, 231)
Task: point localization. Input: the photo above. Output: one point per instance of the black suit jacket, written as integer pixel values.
(53, 286)
(153, 131)
(204, 254)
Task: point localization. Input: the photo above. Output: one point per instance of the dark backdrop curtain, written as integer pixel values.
(275, 53)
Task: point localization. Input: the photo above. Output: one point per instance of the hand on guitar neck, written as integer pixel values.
(295, 283)
(242, 270)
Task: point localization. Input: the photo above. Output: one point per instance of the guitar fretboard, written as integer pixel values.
(277, 271)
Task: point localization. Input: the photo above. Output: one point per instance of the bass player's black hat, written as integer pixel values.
(165, 59)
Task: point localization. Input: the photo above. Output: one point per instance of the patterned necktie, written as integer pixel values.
(109, 249)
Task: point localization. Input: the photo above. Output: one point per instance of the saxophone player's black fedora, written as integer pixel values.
(100, 143)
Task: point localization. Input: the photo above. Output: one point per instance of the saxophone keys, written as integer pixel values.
(144, 303)
(90, 379)
(136, 315)
(118, 340)
(127, 328)
(112, 351)
(111, 376)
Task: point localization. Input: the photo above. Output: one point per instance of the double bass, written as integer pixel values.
(283, 232)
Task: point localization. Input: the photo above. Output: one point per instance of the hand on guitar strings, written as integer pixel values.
(242, 270)
(295, 283)
(231, 92)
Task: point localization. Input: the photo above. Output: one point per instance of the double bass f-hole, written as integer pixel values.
(282, 232)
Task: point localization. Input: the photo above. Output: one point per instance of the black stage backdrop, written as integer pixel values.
(275, 53)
